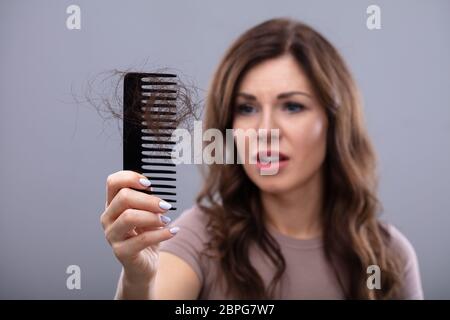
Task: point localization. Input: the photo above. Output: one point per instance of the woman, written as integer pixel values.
(310, 230)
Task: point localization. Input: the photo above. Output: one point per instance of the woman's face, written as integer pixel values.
(276, 94)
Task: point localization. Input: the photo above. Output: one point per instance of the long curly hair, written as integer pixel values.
(353, 236)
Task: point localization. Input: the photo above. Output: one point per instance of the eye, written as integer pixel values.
(245, 109)
(293, 107)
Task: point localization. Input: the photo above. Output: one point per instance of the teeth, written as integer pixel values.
(266, 160)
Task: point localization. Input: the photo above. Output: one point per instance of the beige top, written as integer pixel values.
(308, 275)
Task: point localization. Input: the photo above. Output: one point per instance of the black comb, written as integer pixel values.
(149, 119)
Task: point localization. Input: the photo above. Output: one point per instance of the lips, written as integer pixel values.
(270, 156)
(270, 162)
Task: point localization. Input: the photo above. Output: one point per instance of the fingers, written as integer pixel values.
(122, 179)
(131, 199)
(131, 219)
(131, 247)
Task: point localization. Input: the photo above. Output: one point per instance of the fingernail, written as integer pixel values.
(164, 205)
(145, 182)
(165, 219)
(174, 230)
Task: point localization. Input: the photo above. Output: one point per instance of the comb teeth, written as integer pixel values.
(148, 151)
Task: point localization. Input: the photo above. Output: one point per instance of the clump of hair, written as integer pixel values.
(104, 92)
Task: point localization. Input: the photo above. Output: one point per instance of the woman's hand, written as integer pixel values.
(134, 225)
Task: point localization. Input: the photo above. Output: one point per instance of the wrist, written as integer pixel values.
(133, 288)
(130, 279)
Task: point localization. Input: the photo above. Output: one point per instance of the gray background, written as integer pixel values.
(56, 154)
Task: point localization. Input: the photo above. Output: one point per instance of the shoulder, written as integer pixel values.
(193, 218)
(192, 223)
(192, 235)
(411, 286)
(193, 226)
(400, 244)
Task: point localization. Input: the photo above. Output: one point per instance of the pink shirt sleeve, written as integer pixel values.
(411, 285)
(189, 242)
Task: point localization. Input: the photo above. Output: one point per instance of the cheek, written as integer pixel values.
(309, 139)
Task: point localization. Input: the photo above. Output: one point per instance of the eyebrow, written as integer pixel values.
(280, 96)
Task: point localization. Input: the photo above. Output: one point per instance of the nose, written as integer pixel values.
(267, 127)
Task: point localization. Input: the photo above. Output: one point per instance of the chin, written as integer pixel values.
(273, 187)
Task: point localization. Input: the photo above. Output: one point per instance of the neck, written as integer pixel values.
(296, 213)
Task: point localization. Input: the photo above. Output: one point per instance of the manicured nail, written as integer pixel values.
(145, 182)
(174, 230)
(164, 205)
(165, 219)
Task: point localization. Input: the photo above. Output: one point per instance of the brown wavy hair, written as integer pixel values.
(353, 236)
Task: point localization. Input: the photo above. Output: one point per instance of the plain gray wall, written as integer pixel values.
(56, 154)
